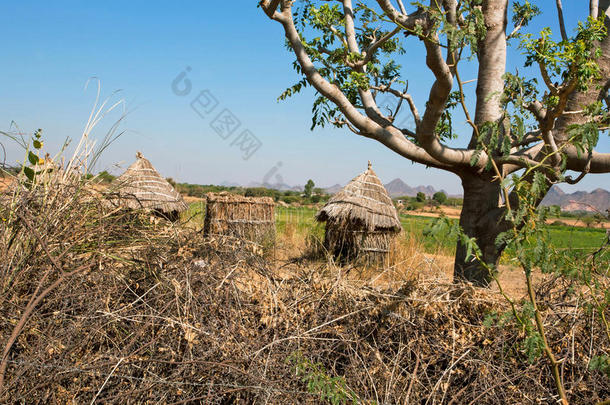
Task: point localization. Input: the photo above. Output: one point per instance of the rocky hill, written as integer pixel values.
(597, 200)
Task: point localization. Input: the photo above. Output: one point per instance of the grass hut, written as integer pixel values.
(361, 221)
(250, 218)
(142, 187)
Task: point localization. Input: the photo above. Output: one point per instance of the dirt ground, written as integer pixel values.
(409, 262)
(453, 212)
(4, 183)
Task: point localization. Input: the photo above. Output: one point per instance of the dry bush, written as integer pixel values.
(144, 312)
(109, 306)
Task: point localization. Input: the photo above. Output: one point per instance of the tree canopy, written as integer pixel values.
(527, 127)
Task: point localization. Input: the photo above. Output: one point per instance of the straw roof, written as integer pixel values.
(363, 201)
(141, 186)
(226, 197)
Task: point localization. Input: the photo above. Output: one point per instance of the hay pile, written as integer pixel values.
(361, 220)
(250, 218)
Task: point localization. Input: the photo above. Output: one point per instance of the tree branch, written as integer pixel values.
(370, 107)
(370, 51)
(405, 21)
(402, 7)
(547, 79)
(596, 162)
(390, 136)
(562, 24)
(403, 96)
(529, 138)
(270, 7)
(537, 109)
(593, 8)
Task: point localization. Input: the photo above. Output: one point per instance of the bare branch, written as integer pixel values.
(528, 139)
(439, 92)
(562, 24)
(523, 159)
(370, 51)
(405, 21)
(349, 126)
(549, 141)
(537, 109)
(547, 79)
(350, 30)
(515, 30)
(596, 162)
(593, 8)
(270, 7)
(402, 7)
(403, 96)
(370, 107)
(570, 180)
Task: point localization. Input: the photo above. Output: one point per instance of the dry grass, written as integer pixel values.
(113, 308)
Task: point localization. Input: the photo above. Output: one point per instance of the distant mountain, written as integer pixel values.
(276, 186)
(397, 188)
(427, 190)
(596, 200)
(229, 184)
(333, 189)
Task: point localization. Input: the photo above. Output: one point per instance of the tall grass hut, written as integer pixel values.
(361, 220)
(142, 187)
(250, 218)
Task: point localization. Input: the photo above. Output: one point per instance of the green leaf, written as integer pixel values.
(38, 144)
(33, 158)
(475, 157)
(29, 173)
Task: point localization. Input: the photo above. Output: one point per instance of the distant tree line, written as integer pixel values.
(311, 194)
(422, 200)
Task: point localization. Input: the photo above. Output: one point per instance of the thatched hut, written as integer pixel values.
(142, 187)
(361, 220)
(250, 218)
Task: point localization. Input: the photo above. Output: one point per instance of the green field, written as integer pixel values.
(301, 220)
(581, 240)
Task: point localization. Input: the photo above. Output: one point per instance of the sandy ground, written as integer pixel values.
(454, 213)
(4, 183)
(413, 265)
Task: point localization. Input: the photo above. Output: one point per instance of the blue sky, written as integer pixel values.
(51, 49)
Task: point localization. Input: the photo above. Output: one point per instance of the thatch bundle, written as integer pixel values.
(250, 218)
(361, 220)
(142, 187)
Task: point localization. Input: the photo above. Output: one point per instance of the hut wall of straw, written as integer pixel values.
(354, 243)
(249, 218)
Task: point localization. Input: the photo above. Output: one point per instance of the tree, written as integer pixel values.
(440, 197)
(532, 129)
(420, 197)
(309, 188)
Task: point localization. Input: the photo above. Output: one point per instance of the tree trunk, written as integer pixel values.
(481, 218)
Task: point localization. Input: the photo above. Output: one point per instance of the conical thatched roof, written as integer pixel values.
(363, 201)
(141, 186)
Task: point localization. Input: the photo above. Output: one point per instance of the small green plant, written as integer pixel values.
(333, 390)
